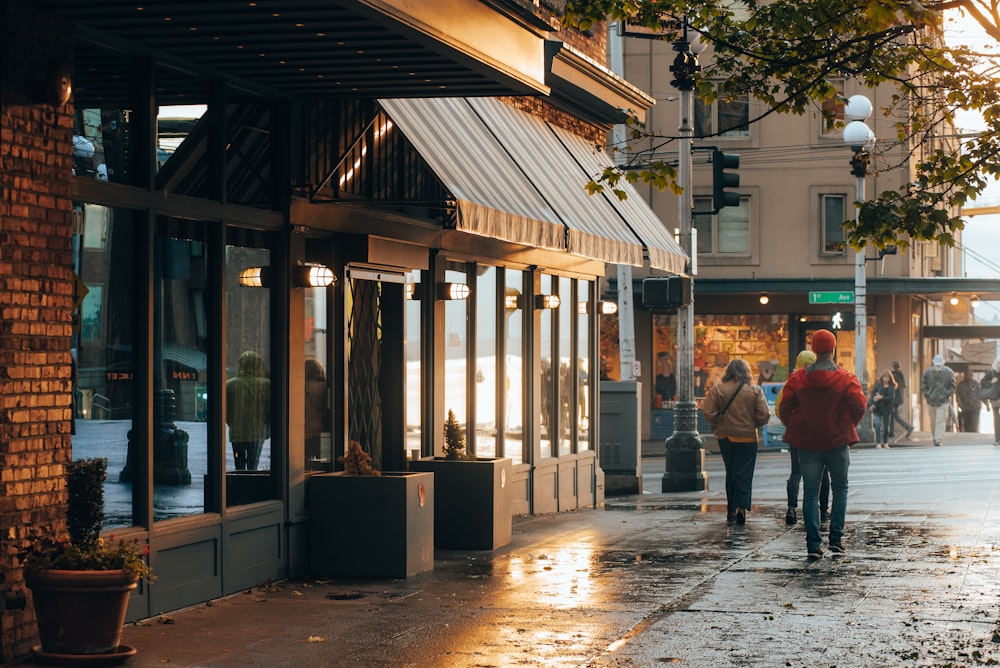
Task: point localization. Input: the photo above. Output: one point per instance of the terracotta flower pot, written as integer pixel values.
(80, 612)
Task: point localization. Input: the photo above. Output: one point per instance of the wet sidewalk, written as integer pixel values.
(659, 579)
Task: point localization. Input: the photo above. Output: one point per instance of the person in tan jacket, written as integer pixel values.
(736, 409)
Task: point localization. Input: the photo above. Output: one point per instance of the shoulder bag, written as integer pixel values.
(730, 402)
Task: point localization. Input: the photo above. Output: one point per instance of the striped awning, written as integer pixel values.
(522, 180)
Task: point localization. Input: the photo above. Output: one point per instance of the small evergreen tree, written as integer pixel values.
(454, 439)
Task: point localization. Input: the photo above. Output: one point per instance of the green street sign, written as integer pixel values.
(831, 297)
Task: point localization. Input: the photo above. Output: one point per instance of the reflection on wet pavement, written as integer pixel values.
(662, 579)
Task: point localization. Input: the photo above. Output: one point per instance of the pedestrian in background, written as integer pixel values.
(990, 384)
(736, 408)
(937, 384)
(897, 401)
(821, 406)
(804, 358)
(969, 403)
(248, 410)
(881, 398)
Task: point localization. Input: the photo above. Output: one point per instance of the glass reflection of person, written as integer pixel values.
(248, 410)
(315, 407)
(666, 383)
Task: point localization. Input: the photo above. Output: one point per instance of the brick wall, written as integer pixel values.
(593, 43)
(537, 106)
(35, 298)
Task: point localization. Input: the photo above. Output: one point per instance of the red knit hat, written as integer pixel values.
(824, 341)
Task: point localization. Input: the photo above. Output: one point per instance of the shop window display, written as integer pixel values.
(761, 340)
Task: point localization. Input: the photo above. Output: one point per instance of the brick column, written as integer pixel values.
(36, 294)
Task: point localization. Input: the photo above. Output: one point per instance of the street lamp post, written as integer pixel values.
(860, 138)
(685, 456)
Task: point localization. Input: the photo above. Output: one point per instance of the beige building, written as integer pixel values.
(759, 263)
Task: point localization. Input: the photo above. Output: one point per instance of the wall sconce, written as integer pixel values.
(445, 291)
(256, 277)
(453, 291)
(547, 301)
(974, 302)
(303, 276)
(764, 299)
(512, 302)
(56, 87)
(312, 276)
(954, 299)
(604, 307)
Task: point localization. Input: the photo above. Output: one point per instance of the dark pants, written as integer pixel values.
(740, 460)
(896, 417)
(796, 477)
(968, 419)
(247, 455)
(837, 462)
(996, 421)
(883, 428)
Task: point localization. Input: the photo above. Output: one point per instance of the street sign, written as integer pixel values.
(831, 297)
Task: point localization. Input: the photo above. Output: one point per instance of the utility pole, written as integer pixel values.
(685, 456)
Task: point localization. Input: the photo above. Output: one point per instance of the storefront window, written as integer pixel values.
(761, 340)
(104, 390)
(248, 381)
(485, 444)
(412, 390)
(103, 115)
(514, 384)
(567, 365)
(456, 348)
(180, 363)
(609, 348)
(583, 365)
(547, 337)
(316, 399)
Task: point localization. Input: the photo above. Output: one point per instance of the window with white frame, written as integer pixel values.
(726, 117)
(726, 233)
(833, 213)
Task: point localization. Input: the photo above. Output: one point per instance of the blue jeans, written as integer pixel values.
(837, 461)
(795, 478)
(740, 460)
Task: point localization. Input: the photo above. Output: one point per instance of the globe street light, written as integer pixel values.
(861, 139)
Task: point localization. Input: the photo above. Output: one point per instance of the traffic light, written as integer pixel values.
(842, 321)
(721, 179)
(666, 292)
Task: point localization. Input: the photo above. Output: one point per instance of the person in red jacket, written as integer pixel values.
(821, 406)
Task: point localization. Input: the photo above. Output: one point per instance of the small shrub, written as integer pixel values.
(454, 439)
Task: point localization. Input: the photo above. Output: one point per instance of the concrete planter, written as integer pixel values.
(371, 526)
(473, 510)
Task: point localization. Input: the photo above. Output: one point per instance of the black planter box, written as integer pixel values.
(368, 526)
(473, 508)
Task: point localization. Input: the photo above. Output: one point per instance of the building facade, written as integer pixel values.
(776, 268)
(181, 184)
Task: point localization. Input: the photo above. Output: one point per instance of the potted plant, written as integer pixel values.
(474, 508)
(81, 585)
(370, 523)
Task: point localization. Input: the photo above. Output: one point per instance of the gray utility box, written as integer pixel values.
(621, 437)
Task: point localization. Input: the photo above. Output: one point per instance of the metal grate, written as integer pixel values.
(364, 366)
